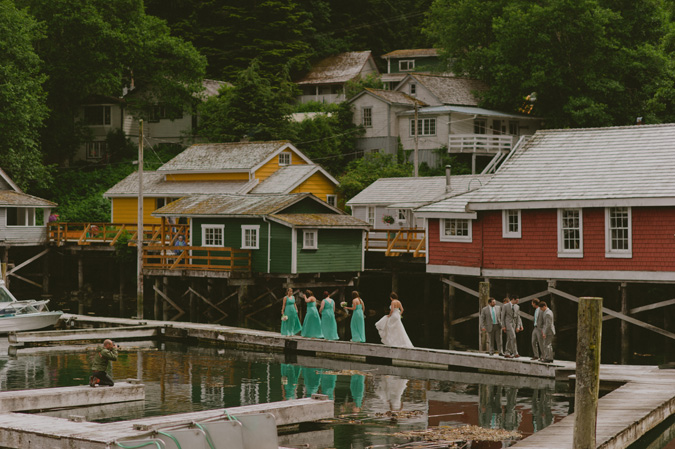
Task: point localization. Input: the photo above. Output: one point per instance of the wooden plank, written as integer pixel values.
(23, 264)
(460, 286)
(209, 303)
(619, 315)
(26, 280)
(115, 333)
(181, 312)
(656, 305)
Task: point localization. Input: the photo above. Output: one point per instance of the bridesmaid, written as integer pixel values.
(311, 327)
(328, 324)
(358, 324)
(291, 324)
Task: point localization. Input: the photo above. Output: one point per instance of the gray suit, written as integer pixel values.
(494, 330)
(548, 331)
(537, 340)
(511, 321)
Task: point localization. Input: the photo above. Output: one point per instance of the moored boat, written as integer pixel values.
(24, 315)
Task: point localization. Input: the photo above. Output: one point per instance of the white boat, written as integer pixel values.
(26, 315)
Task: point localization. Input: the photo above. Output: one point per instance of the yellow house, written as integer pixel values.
(208, 168)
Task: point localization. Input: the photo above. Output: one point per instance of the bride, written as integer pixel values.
(391, 328)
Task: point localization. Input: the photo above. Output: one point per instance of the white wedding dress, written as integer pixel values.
(392, 331)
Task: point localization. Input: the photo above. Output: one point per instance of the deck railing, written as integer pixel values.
(60, 233)
(394, 242)
(196, 258)
(479, 143)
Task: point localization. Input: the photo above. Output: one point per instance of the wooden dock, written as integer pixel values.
(23, 431)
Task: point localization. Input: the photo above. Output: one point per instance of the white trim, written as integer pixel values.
(453, 269)
(367, 220)
(618, 253)
(571, 253)
(25, 217)
(408, 63)
(305, 233)
(294, 250)
(582, 275)
(284, 146)
(439, 214)
(363, 250)
(506, 233)
(290, 158)
(213, 226)
(328, 196)
(426, 238)
(422, 119)
(9, 181)
(186, 171)
(462, 238)
(255, 228)
(573, 203)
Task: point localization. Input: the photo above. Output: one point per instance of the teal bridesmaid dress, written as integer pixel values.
(289, 379)
(312, 377)
(357, 386)
(358, 325)
(292, 325)
(311, 327)
(328, 384)
(328, 324)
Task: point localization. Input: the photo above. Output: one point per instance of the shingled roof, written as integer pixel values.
(391, 96)
(13, 198)
(450, 89)
(411, 53)
(289, 177)
(154, 185)
(338, 68)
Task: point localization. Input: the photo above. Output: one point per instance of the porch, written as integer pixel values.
(480, 143)
(395, 242)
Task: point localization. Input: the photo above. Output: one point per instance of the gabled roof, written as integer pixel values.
(468, 110)
(226, 157)
(237, 205)
(338, 68)
(390, 96)
(212, 87)
(449, 89)
(19, 199)
(415, 192)
(411, 53)
(320, 221)
(154, 185)
(289, 177)
(8, 181)
(593, 167)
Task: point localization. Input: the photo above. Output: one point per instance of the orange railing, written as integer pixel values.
(166, 257)
(394, 242)
(60, 233)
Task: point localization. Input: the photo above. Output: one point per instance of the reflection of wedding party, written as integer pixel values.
(320, 322)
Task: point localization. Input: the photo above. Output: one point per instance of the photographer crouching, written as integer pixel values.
(102, 364)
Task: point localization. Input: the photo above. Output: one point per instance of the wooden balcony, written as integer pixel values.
(196, 258)
(479, 143)
(395, 242)
(60, 233)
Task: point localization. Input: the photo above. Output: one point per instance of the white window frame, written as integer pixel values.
(443, 237)
(214, 227)
(253, 245)
(285, 158)
(618, 253)
(95, 149)
(314, 244)
(404, 213)
(28, 217)
(507, 233)
(423, 124)
(367, 117)
(413, 89)
(106, 115)
(406, 65)
(332, 200)
(562, 251)
(370, 215)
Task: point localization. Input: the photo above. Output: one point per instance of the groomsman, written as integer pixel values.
(537, 343)
(511, 323)
(547, 332)
(491, 322)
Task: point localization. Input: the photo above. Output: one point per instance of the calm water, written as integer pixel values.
(184, 379)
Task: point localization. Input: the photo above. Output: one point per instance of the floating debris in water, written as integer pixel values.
(459, 434)
(399, 415)
(345, 372)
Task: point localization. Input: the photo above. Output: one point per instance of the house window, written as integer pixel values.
(402, 215)
(97, 115)
(20, 216)
(570, 233)
(160, 202)
(618, 232)
(96, 149)
(370, 214)
(455, 230)
(249, 236)
(511, 224)
(310, 239)
(514, 128)
(367, 117)
(332, 200)
(406, 65)
(425, 127)
(213, 235)
(480, 126)
(157, 113)
(285, 158)
(413, 89)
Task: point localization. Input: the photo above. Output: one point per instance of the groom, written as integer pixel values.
(491, 322)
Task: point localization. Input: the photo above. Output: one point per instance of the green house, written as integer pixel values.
(285, 233)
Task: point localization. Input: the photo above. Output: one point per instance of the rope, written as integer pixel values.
(230, 417)
(206, 434)
(156, 443)
(170, 436)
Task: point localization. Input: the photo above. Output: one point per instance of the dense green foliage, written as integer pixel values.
(363, 172)
(22, 98)
(590, 62)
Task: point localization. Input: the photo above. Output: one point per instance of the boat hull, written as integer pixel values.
(28, 321)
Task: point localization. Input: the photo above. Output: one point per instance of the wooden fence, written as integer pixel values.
(394, 242)
(166, 257)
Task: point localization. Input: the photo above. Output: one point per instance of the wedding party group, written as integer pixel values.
(319, 321)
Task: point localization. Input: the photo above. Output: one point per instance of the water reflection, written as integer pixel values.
(184, 379)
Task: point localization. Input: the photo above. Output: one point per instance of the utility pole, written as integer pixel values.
(139, 233)
(417, 128)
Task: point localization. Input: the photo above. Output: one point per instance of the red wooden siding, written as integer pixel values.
(460, 254)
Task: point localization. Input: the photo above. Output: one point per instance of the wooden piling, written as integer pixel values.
(589, 333)
(165, 290)
(157, 311)
(625, 339)
(194, 316)
(80, 283)
(483, 297)
(446, 318)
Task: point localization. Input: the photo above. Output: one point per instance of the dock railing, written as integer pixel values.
(196, 258)
(87, 233)
(394, 242)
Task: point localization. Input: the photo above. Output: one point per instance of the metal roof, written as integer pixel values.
(218, 157)
(417, 191)
(338, 68)
(454, 206)
(20, 199)
(289, 177)
(155, 185)
(450, 89)
(225, 204)
(411, 53)
(630, 165)
(321, 221)
(468, 110)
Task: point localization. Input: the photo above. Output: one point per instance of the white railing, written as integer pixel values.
(479, 143)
